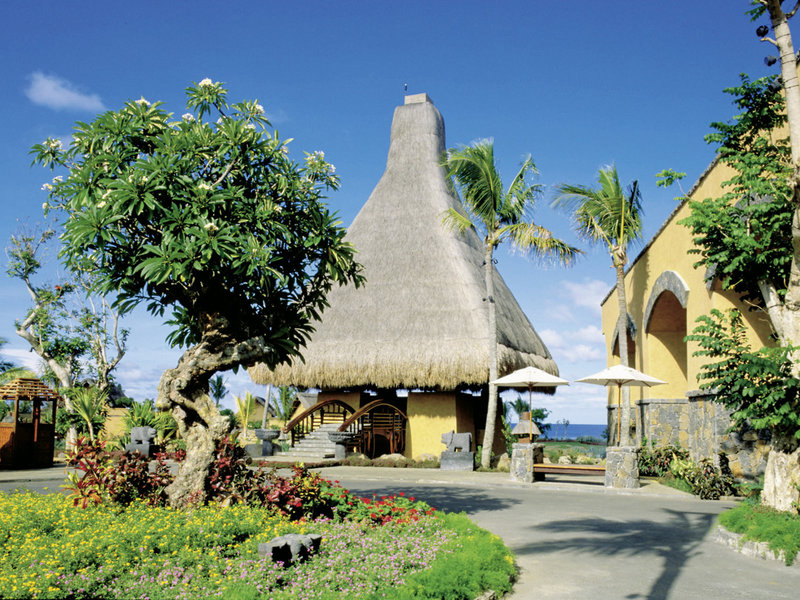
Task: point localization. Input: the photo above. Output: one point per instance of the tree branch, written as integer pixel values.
(774, 306)
(792, 12)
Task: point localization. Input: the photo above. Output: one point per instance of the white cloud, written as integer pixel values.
(583, 352)
(587, 293)
(590, 333)
(23, 358)
(59, 94)
(585, 343)
(552, 338)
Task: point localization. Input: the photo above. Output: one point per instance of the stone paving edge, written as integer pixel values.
(751, 548)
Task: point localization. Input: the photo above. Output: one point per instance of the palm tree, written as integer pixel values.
(244, 410)
(610, 215)
(90, 405)
(217, 388)
(497, 214)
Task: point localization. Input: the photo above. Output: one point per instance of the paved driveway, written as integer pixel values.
(578, 540)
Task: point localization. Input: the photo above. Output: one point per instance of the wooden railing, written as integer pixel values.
(378, 419)
(327, 411)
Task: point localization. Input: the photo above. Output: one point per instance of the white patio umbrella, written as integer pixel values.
(529, 377)
(620, 375)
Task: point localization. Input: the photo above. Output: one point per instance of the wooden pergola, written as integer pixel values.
(26, 441)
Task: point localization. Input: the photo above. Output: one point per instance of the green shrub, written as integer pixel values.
(655, 462)
(759, 523)
(482, 562)
(707, 480)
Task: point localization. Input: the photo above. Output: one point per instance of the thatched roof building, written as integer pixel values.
(420, 321)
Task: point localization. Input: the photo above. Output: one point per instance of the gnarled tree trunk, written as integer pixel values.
(184, 391)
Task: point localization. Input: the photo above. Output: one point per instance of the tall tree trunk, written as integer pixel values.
(624, 415)
(782, 475)
(491, 411)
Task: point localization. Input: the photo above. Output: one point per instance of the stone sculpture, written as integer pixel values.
(457, 457)
(290, 548)
(142, 440)
(457, 442)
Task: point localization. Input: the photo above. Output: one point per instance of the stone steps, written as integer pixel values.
(315, 446)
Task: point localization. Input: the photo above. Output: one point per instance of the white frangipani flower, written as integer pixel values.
(210, 227)
(142, 101)
(259, 109)
(189, 117)
(205, 83)
(47, 187)
(101, 204)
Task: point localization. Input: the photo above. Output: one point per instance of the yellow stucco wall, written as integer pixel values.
(659, 348)
(430, 414)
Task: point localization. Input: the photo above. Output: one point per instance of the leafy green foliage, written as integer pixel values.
(245, 407)
(90, 404)
(284, 403)
(101, 477)
(608, 213)
(144, 414)
(482, 563)
(217, 388)
(655, 462)
(706, 480)
(756, 385)
(207, 217)
(744, 236)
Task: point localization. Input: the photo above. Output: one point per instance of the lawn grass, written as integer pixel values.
(51, 549)
(554, 449)
(762, 524)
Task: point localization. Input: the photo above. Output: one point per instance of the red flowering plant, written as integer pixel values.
(102, 476)
(397, 509)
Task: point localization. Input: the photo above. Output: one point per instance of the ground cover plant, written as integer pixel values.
(674, 468)
(115, 536)
(759, 523)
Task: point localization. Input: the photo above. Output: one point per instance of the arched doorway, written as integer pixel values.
(665, 331)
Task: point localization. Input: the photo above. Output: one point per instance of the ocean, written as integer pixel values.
(573, 431)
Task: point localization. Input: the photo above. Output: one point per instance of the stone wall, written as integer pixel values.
(700, 425)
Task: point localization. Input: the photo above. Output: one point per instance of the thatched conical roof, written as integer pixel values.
(420, 320)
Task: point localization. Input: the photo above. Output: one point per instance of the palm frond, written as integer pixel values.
(605, 213)
(538, 241)
(453, 220)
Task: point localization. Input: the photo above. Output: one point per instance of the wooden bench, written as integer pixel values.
(556, 469)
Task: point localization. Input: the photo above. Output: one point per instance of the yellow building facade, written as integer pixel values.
(666, 294)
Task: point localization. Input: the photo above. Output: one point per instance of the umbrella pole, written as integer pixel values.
(619, 411)
(530, 413)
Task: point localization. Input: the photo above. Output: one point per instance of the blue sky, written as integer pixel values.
(576, 84)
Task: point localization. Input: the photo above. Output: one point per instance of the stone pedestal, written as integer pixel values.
(622, 467)
(457, 461)
(266, 436)
(523, 456)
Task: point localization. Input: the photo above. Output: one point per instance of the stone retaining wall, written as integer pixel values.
(700, 425)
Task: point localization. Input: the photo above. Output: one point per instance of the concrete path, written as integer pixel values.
(573, 538)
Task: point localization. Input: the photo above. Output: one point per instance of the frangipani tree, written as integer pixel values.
(610, 215)
(204, 217)
(498, 214)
